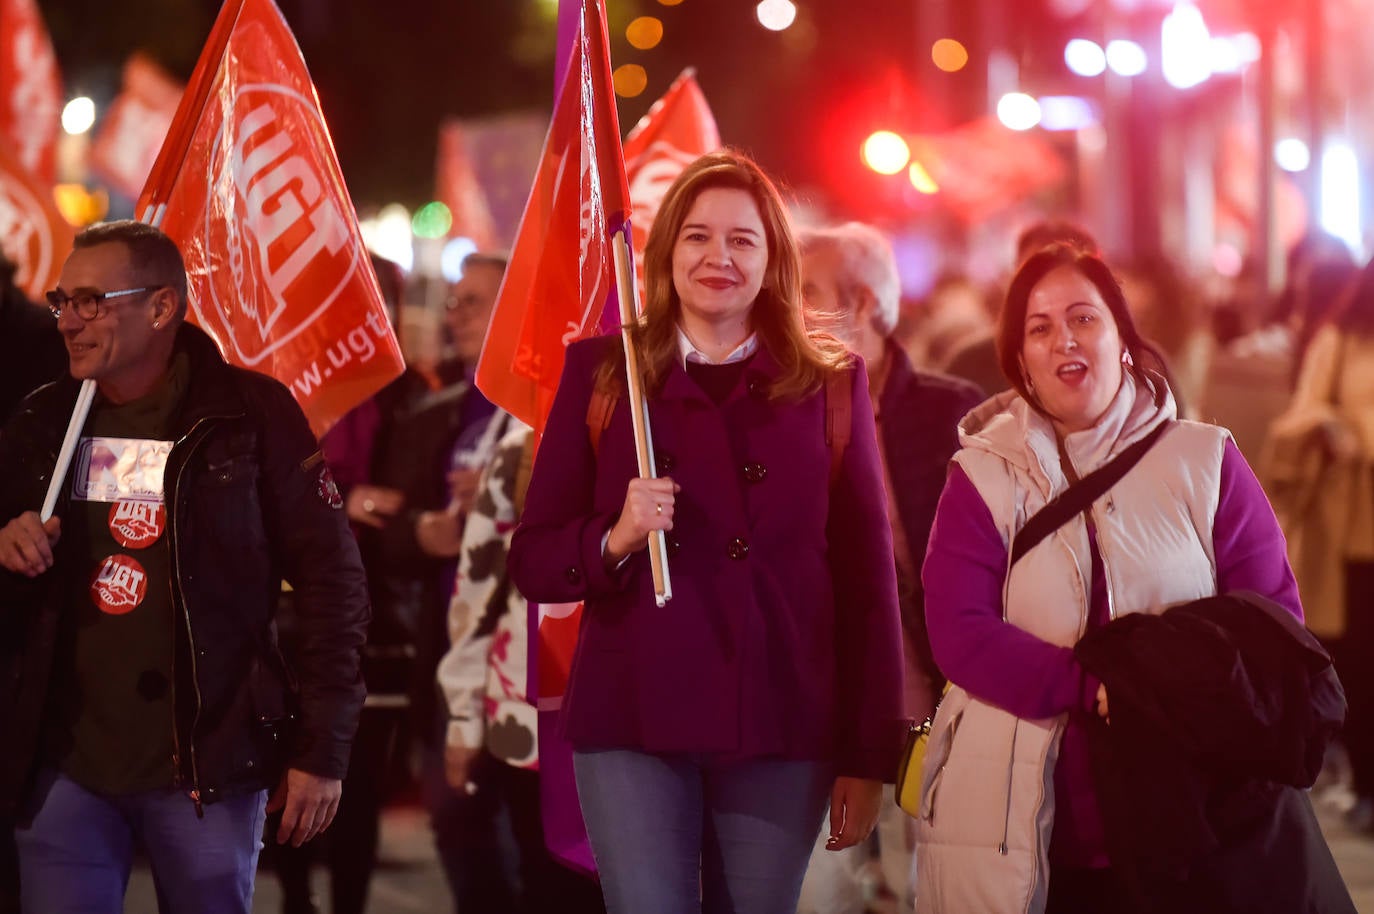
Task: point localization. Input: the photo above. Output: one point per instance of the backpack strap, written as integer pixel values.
(1080, 496)
(600, 408)
(839, 393)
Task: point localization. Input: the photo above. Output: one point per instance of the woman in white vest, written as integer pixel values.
(1009, 820)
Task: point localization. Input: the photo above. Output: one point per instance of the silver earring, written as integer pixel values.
(1126, 358)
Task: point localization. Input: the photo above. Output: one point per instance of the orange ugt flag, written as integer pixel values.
(561, 272)
(30, 89)
(33, 234)
(253, 195)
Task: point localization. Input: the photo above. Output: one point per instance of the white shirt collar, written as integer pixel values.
(690, 353)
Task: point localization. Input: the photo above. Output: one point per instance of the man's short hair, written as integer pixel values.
(866, 262)
(498, 259)
(154, 257)
(1042, 234)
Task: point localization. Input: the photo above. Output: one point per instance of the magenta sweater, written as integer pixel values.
(1031, 678)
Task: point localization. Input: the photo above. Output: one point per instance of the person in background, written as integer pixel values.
(710, 736)
(851, 286)
(30, 347)
(491, 747)
(1326, 474)
(32, 352)
(369, 476)
(437, 452)
(149, 704)
(992, 838)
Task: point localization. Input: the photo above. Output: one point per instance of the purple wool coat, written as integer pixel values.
(782, 638)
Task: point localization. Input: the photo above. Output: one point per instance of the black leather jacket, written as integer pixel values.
(250, 503)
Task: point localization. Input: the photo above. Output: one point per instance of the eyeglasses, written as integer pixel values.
(87, 304)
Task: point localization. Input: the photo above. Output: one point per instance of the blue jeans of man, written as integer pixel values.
(689, 834)
(76, 851)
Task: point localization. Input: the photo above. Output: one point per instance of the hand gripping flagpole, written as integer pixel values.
(627, 290)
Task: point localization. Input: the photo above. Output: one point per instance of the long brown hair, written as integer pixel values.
(806, 358)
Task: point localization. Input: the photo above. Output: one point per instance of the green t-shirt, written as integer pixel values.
(111, 723)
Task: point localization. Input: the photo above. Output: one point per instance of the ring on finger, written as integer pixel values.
(369, 505)
(658, 508)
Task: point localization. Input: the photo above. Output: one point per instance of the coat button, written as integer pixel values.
(665, 462)
(574, 575)
(755, 472)
(738, 548)
(756, 388)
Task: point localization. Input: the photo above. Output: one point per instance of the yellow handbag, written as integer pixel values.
(909, 771)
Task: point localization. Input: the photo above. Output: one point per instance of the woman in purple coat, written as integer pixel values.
(712, 734)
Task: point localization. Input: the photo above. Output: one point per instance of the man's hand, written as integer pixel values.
(373, 505)
(854, 805)
(458, 762)
(308, 803)
(26, 544)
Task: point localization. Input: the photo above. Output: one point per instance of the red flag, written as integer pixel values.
(557, 285)
(135, 126)
(455, 177)
(678, 129)
(561, 271)
(33, 234)
(30, 89)
(253, 195)
(983, 167)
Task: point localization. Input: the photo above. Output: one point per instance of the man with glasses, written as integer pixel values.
(143, 699)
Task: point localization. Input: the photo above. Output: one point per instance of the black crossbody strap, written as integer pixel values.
(1077, 497)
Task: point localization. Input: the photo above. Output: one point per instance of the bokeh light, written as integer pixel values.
(885, 152)
(921, 179)
(1126, 58)
(1018, 111)
(1084, 57)
(1185, 46)
(949, 55)
(630, 79)
(451, 260)
(78, 115)
(433, 220)
(776, 14)
(644, 33)
(1066, 112)
(1292, 154)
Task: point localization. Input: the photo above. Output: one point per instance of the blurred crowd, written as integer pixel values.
(433, 475)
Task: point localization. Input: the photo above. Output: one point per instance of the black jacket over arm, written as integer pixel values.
(1221, 712)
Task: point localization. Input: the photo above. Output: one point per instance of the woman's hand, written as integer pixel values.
(648, 507)
(1102, 702)
(854, 805)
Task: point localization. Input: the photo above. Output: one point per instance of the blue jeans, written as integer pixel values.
(683, 834)
(76, 851)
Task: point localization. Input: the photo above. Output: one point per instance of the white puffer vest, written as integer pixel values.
(987, 803)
